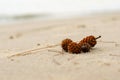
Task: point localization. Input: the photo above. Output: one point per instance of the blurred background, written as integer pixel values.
(26, 9)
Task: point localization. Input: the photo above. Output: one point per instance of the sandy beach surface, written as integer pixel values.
(47, 62)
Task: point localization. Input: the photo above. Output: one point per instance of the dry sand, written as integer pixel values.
(101, 63)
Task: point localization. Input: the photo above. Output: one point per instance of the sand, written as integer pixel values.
(101, 63)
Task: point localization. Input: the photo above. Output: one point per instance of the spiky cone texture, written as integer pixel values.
(90, 40)
(85, 47)
(74, 48)
(65, 44)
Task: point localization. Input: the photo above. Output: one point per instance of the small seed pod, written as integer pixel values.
(90, 40)
(65, 44)
(85, 47)
(74, 48)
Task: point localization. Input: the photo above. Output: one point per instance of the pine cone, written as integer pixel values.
(65, 44)
(85, 47)
(90, 40)
(73, 47)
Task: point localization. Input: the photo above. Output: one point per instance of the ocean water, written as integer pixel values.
(17, 10)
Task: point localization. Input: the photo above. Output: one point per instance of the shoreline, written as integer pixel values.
(48, 16)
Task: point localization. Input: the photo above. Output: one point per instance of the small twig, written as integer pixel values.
(56, 62)
(107, 41)
(61, 52)
(114, 55)
(117, 44)
(31, 51)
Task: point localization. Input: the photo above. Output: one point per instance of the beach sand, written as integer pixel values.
(50, 62)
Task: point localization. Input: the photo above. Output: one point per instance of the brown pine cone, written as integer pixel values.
(85, 47)
(73, 47)
(65, 44)
(90, 40)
